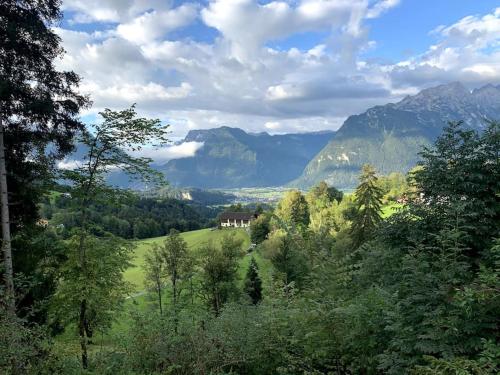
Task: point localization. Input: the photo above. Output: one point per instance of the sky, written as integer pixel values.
(277, 66)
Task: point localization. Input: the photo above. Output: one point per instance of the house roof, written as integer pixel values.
(236, 216)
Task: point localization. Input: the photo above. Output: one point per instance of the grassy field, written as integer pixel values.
(142, 301)
(194, 239)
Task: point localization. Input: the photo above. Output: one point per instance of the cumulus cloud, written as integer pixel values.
(247, 25)
(152, 25)
(467, 51)
(242, 77)
(87, 11)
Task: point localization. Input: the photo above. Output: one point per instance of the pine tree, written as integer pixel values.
(368, 200)
(253, 283)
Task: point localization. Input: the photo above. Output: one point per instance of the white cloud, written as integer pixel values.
(467, 51)
(87, 11)
(237, 79)
(67, 164)
(247, 25)
(154, 24)
(272, 125)
(381, 7)
(163, 154)
(132, 93)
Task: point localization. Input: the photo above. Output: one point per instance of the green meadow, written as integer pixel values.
(194, 239)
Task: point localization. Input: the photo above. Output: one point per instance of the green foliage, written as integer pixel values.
(219, 272)
(368, 201)
(39, 108)
(260, 228)
(23, 350)
(462, 174)
(91, 289)
(253, 283)
(287, 255)
(178, 262)
(394, 186)
(293, 209)
(321, 195)
(154, 273)
(39, 104)
(99, 282)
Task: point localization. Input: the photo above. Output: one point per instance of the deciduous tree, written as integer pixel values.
(293, 209)
(219, 271)
(108, 147)
(154, 273)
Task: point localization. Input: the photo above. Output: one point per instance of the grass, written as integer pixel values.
(141, 301)
(265, 268)
(194, 239)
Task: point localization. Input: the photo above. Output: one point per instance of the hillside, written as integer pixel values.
(194, 239)
(232, 158)
(390, 136)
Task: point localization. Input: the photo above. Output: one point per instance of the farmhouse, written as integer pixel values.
(236, 219)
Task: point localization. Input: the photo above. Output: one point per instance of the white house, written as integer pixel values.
(236, 219)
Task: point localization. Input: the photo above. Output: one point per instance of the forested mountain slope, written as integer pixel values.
(232, 158)
(390, 136)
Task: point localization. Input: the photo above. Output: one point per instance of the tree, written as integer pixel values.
(38, 108)
(119, 132)
(293, 209)
(260, 228)
(253, 283)
(177, 259)
(463, 168)
(219, 271)
(368, 201)
(285, 249)
(154, 273)
(90, 293)
(322, 195)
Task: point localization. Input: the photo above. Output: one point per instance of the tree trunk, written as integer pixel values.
(81, 331)
(174, 290)
(6, 239)
(159, 297)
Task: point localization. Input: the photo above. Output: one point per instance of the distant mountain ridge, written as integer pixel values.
(232, 158)
(390, 136)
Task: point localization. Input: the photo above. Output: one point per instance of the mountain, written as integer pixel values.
(390, 136)
(232, 158)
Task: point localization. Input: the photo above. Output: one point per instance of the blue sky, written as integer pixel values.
(277, 66)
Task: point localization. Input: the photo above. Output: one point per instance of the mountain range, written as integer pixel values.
(232, 158)
(387, 136)
(390, 136)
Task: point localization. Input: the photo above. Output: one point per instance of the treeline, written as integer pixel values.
(133, 217)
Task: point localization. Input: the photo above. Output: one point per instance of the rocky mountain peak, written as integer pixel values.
(451, 95)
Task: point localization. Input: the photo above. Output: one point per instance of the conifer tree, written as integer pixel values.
(368, 200)
(253, 283)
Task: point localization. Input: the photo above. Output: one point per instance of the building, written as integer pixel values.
(236, 219)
